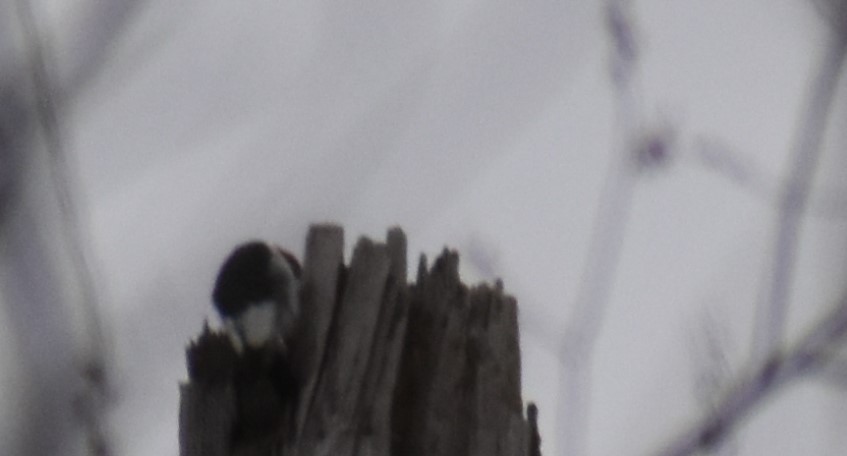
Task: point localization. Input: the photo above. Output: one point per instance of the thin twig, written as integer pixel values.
(805, 155)
(809, 355)
(715, 155)
(775, 367)
(603, 255)
(88, 404)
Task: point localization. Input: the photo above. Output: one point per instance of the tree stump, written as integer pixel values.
(385, 367)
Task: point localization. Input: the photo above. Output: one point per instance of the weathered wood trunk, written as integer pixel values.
(386, 367)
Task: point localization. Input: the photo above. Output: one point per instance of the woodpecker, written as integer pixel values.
(256, 294)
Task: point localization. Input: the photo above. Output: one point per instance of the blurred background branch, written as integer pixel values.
(608, 230)
(794, 195)
(48, 287)
(746, 394)
(775, 365)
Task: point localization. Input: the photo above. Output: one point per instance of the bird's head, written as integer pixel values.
(256, 294)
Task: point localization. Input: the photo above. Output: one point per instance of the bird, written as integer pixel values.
(256, 294)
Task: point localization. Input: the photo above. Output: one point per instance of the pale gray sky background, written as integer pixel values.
(487, 126)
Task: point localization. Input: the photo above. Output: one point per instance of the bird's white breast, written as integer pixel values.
(256, 325)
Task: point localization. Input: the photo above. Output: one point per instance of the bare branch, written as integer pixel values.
(603, 255)
(805, 154)
(740, 169)
(834, 12)
(719, 157)
(67, 246)
(712, 370)
(809, 355)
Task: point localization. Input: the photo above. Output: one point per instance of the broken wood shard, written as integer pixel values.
(385, 367)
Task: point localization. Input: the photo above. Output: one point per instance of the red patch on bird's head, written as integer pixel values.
(292, 261)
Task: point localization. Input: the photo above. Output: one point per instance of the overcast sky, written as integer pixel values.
(486, 126)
